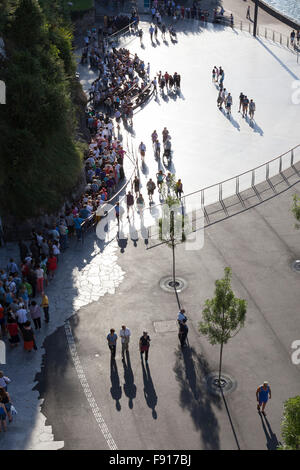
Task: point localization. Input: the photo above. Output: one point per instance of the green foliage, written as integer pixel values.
(224, 314)
(296, 209)
(40, 160)
(290, 425)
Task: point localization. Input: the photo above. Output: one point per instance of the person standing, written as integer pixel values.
(39, 278)
(245, 106)
(28, 337)
(12, 328)
(263, 393)
(125, 337)
(35, 314)
(129, 203)
(241, 100)
(151, 31)
(178, 189)
(252, 108)
(181, 316)
(160, 179)
(112, 342)
(228, 103)
(142, 150)
(293, 35)
(3, 416)
(136, 185)
(144, 345)
(5, 400)
(45, 306)
(183, 332)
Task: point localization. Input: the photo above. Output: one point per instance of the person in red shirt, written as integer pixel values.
(2, 321)
(12, 328)
(52, 265)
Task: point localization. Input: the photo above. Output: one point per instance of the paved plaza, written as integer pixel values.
(68, 394)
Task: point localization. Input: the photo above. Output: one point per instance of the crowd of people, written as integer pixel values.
(170, 8)
(224, 97)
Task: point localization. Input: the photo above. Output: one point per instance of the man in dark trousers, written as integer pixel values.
(183, 332)
(112, 342)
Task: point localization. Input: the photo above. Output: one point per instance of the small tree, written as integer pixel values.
(290, 425)
(223, 316)
(296, 209)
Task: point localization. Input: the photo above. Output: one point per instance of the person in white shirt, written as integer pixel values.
(21, 316)
(125, 336)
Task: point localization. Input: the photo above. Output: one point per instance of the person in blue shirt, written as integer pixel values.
(77, 222)
(263, 393)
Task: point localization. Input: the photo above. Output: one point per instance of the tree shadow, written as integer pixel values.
(272, 441)
(116, 390)
(149, 390)
(129, 385)
(189, 368)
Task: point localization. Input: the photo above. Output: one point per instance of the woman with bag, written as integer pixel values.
(5, 400)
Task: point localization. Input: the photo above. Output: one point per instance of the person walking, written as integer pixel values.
(141, 36)
(178, 189)
(150, 188)
(144, 345)
(245, 106)
(151, 31)
(155, 32)
(160, 179)
(136, 185)
(125, 337)
(163, 31)
(228, 103)
(241, 100)
(183, 332)
(129, 203)
(45, 306)
(263, 393)
(142, 150)
(39, 278)
(112, 342)
(35, 314)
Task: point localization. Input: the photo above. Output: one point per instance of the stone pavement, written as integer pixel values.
(169, 406)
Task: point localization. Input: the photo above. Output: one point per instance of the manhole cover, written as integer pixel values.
(227, 383)
(167, 284)
(296, 266)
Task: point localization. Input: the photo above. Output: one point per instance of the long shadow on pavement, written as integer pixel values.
(129, 385)
(195, 397)
(272, 441)
(116, 390)
(149, 390)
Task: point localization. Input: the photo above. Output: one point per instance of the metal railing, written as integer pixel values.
(235, 185)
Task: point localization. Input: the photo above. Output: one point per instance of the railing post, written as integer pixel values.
(220, 192)
(273, 36)
(267, 171)
(280, 164)
(249, 27)
(287, 42)
(241, 26)
(280, 38)
(237, 185)
(202, 197)
(292, 157)
(257, 32)
(253, 178)
(266, 33)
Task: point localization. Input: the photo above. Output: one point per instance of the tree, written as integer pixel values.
(290, 425)
(223, 316)
(296, 209)
(41, 162)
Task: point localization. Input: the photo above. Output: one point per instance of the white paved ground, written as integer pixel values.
(209, 148)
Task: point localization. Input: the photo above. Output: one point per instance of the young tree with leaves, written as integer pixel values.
(290, 425)
(223, 316)
(296, 209)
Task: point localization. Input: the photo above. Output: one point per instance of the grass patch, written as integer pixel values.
(81, 5)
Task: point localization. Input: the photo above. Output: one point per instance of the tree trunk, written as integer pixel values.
(220, 363)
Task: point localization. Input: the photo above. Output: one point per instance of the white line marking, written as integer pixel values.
(87, 391)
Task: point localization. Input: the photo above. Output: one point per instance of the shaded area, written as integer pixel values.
(189, 368)
(272, 441)
(129, 385)
(116, 390)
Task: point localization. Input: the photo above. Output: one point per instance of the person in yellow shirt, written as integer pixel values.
(45, 305)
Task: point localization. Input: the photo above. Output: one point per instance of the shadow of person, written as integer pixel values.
(129, 385)
(122, 240)
(166, 43)
(157, 42)
(116, 390)
(149, 390)
(272, 441)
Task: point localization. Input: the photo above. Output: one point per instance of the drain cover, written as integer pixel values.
(296, 266)
(167, 284)
(227, 383)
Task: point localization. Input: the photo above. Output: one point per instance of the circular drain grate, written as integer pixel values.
(167, 284)
(228, 384)
(296, 266)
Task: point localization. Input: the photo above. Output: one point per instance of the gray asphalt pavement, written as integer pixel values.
(169, 406)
